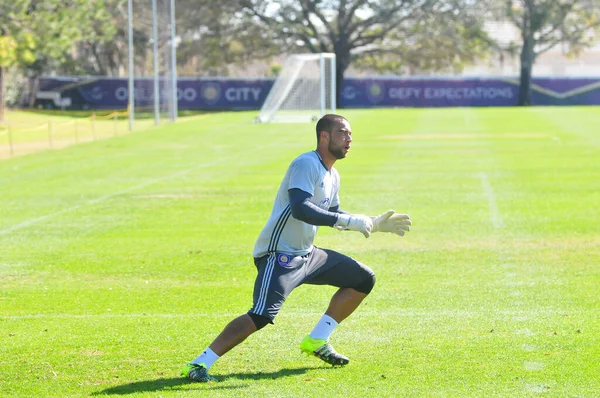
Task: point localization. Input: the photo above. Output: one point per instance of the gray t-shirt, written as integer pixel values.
(283, 233)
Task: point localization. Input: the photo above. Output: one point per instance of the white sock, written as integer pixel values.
(324, 328)
(208, 357)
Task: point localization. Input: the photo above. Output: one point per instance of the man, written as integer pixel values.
(285, 256)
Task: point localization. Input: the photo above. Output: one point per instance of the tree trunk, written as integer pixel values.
(1, 93)
(341, 64)
(33, 89)
(527, 60)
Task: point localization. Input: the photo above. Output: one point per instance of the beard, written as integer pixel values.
(336, 150)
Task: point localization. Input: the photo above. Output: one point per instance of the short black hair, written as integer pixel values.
(327, 122)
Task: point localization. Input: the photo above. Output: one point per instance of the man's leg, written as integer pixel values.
(233, 334)
(343, 303)
(355, 281)
(272, 285)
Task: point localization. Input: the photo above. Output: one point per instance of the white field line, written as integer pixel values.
(529, 347)
(518, 316)
(36, 220)
(533, 366)
(407, 313)
(495, 216)
(467, 118)
(32, 221)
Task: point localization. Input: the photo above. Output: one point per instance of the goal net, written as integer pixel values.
(303, 91)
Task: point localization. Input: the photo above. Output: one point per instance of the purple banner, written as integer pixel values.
(191, 94)
(361, 93)
(239, 94)
(427, 93)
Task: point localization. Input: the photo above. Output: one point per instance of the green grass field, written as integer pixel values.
(121, 259)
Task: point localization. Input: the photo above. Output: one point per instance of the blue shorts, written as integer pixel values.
(280, 273)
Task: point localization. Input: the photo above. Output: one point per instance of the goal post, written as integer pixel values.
(152, 62)
(304, 90)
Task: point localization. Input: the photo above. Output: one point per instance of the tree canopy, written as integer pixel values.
(386, 35)
(220, 37)
(38, 36)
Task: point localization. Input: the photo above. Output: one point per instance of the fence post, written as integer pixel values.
(50, 134)
(10, 141)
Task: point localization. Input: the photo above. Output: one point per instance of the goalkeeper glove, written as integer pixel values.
(355, 222)
(392, 222)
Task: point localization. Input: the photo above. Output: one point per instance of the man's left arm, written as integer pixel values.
(304, 210)
(390, 221)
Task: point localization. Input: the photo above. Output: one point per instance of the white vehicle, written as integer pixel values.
(51, 100)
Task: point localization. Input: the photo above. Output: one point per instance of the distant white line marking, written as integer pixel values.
(467, 117)
(525, 332)
(405, 313)
(538, 388)
(491, 197)
(533, 366)
(529, 347)
(32, 221)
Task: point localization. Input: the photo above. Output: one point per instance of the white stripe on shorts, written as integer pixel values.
(266, 281)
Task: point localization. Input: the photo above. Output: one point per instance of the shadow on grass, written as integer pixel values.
(174, 383)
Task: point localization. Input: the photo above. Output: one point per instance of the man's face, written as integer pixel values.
(340, 139)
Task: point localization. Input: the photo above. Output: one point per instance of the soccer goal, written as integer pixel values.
(303, 91)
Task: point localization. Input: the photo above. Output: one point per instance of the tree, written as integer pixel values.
(443, 40)
(212, 37)
(58, 25)
(386, 34)
(16, 44)
(543, 24)
(215, 36)
(8, 47)
(45, 31)
(104, 49)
